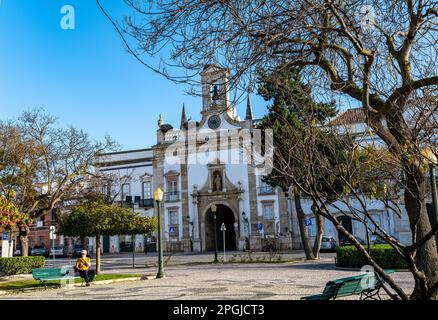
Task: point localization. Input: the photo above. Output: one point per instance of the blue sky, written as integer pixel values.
(84, 76)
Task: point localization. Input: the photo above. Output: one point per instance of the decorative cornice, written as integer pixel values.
(171, 173)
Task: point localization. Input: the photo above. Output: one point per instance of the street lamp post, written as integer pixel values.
(213, 209)
(246, 230)
(133, 240)
(158, 197)
(191, 233)
(432, 162)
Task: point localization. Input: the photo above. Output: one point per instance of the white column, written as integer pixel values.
(196, 240)
(241, 222)
(195, 219)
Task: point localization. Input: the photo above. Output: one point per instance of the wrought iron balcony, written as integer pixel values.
(266, 190)
(171, 196)
(147, 203)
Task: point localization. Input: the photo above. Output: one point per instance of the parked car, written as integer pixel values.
(126, 246)
(17, 251)
(39, 251)
(346, 242)
(77, 250)
(328, 243)
(57, 251)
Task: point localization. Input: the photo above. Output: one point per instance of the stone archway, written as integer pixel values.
(224, 214)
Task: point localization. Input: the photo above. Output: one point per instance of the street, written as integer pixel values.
(291, 280)
(122, 262)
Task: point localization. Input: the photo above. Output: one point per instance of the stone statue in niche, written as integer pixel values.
(217, 182)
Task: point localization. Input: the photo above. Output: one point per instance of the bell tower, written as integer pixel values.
(215, 90)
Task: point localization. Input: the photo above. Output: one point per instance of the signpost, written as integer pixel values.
(259, 227)
(308, 222)
(6, 246)
(53, 237)
(223, 229)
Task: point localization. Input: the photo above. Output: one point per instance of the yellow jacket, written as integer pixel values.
(82, 264)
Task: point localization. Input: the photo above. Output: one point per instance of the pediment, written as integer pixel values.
(146, 176)
(227, 185)
(171, 173)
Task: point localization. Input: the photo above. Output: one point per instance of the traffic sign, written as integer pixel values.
(171, 229)
(308, 222)
(5, 235)
(52, 232)
(223, 228)
(259, 226)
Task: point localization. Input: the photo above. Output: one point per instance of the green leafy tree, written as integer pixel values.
(96, 218)
(10, 215)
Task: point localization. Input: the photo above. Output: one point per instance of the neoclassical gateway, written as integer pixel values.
(213, 161)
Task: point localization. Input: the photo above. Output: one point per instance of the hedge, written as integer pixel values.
(20, 265)
(383, 254)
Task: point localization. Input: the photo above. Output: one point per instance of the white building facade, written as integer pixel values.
(204, 165)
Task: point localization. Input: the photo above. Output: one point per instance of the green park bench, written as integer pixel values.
(51, 274)
(368, 285)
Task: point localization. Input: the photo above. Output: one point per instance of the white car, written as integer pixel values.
(328, 243)
(57, 251)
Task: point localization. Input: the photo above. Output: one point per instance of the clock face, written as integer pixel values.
(214, 122)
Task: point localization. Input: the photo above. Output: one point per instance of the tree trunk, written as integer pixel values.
(319, 233)
(24, 239)
(426, 258)
(303, 230)
(82, 240)
(97, 254)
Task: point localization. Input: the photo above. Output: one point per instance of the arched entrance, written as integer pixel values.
(223, 215)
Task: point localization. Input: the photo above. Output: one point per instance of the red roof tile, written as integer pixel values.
(350, 116)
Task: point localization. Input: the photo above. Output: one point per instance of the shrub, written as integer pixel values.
(383, 254)
(20, 265)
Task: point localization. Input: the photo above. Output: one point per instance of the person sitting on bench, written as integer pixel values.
(83, 268)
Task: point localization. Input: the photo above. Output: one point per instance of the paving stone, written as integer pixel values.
(238, 281)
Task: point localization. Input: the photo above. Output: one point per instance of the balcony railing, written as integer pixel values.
(124, 204)
(147, 203)
(171, 196)
(43, 224)
(142, 203)
(266, 190)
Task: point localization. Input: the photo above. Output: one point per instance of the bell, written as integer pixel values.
(215, 95)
